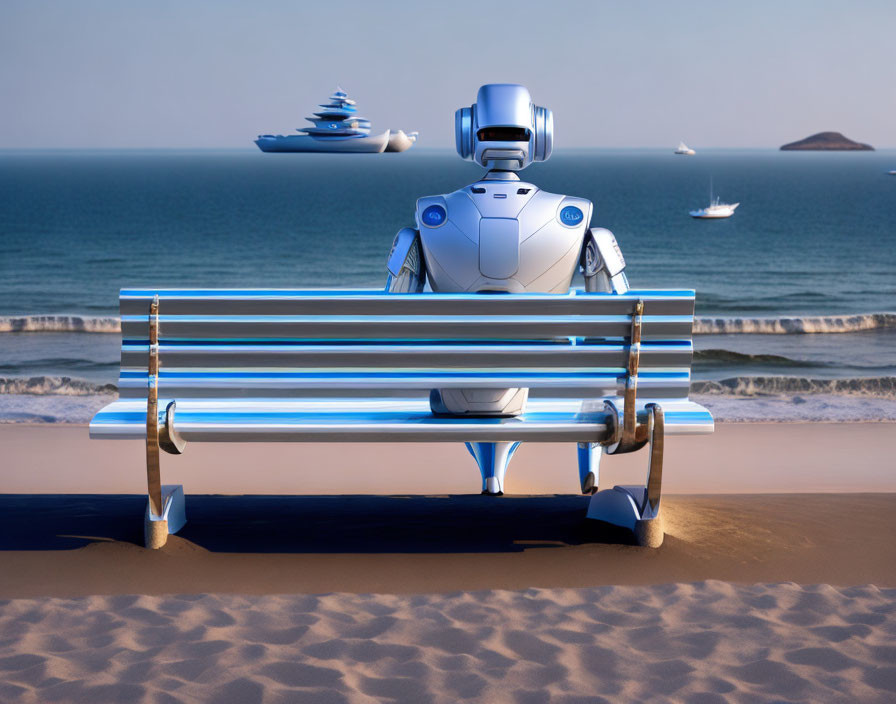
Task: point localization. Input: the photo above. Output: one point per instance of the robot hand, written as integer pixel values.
(602, 263)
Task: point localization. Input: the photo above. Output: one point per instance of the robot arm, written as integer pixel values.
(407, 271)
(602, 262)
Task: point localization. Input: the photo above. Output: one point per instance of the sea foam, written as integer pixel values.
(878, 387)
(60, 323)
(47, 399)
(702, 326)
(795, 325)
(53, 386)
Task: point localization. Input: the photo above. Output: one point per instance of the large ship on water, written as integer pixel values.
(337, 128)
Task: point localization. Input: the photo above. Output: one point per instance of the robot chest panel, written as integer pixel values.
(482, 244)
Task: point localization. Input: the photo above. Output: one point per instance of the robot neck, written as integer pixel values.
(500, 175)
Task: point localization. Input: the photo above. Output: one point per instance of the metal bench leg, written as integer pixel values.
(589, 454)
(638, 507)
(165, 511)
(492, 458)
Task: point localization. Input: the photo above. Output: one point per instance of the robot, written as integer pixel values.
(502, 235)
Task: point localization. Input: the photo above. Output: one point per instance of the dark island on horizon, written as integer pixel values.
(827, 141)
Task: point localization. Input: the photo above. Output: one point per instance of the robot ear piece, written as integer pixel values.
(544, 134)
(463, 132)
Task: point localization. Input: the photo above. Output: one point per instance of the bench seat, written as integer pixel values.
(383, 420)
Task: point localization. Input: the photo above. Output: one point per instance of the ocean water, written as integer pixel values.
(796, 294)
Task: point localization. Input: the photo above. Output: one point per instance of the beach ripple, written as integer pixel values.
(705, 642)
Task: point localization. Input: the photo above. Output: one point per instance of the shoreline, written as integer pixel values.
(764, 400)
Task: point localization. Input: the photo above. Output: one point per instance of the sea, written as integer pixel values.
(796, 293)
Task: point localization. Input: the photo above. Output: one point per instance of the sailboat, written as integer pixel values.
(684, 149)
(715, 209)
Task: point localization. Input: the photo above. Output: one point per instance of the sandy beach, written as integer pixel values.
(737, 458)
(776, 582)
(704, 642)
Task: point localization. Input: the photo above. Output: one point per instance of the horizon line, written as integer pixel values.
(418, 149)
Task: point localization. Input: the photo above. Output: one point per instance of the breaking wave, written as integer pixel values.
(797, 325)
(59, 323)
(702, 326)
(54, 386)
(878, 387)
(726, 357)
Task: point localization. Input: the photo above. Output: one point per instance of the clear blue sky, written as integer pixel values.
(185, 73)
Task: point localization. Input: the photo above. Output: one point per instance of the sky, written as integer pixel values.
(191, 74)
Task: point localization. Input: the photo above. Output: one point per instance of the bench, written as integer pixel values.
(608, 372)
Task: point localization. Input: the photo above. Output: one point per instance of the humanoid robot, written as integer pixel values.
(501, 234)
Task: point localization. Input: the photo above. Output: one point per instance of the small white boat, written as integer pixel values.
(892, 173)
(684, 149)
(715, 209)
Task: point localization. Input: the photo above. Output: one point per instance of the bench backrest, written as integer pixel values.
(288, 343)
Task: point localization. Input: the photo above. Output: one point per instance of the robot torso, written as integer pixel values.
(502, 235)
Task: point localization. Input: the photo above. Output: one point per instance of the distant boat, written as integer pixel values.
(892, 173)
(715, 209)
(337, 128)
(684, 149)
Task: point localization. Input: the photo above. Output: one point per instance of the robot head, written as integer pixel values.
(503, 129)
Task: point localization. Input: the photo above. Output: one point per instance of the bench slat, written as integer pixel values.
(586, 383)
(402, 327)
(378, 302)
(556, 356)
(380, 421)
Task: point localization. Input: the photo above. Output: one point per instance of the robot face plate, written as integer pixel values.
(504, 129)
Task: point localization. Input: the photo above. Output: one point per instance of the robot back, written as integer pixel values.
(505, 236)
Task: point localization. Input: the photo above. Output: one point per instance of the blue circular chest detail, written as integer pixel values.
(434, 216)
(571, 216)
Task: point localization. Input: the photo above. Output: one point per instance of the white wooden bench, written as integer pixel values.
(609, 372)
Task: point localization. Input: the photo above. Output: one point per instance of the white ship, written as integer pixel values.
(715, 209)
(684, 149)
(892, 173)
(337, 128)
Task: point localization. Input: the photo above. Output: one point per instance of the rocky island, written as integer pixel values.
(827, 141)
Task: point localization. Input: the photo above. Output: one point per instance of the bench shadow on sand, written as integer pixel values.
(312, 524)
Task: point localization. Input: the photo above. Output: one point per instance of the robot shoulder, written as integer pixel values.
(434, 211)
(568, 211)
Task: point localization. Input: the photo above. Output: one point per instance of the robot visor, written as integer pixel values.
(503, 134)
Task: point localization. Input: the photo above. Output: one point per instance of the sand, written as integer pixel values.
(80, 546)
(736, 458)
(703, 642)
(446, 597)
